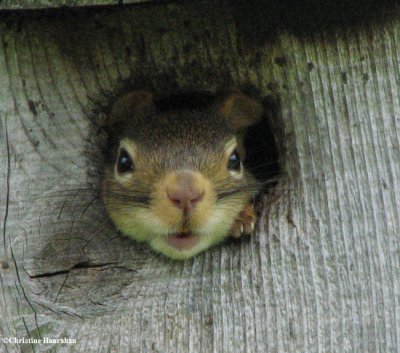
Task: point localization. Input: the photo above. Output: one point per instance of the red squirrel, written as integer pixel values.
(176, 179)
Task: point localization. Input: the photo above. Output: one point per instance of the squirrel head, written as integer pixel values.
(176, 177)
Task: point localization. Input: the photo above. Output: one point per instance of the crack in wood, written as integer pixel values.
(84, 265)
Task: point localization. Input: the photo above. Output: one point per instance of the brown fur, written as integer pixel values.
(165, 143)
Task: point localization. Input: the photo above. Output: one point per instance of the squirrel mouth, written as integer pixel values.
(183, 240)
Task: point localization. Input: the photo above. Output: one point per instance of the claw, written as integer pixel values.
(245, 222)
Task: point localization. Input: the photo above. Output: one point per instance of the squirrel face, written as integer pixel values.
(176, 178)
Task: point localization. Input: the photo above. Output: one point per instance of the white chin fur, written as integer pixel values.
(212, 233)
(145, 227)
(205, 241)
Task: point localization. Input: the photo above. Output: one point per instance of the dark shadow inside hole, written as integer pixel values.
(262, 153)
(191, 100)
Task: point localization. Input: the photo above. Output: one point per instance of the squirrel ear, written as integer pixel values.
(129, 105)
(241, 111)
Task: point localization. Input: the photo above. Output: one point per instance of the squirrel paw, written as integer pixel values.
(245, 222)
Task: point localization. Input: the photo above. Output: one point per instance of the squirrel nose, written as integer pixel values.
(185, 190)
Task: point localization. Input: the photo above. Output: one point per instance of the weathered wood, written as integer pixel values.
(323, 273)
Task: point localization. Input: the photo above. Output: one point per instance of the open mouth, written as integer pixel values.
(183, 241)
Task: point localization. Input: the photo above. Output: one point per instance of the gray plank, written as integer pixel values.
(322, 274)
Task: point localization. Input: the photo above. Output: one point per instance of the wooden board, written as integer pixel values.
(322, 274)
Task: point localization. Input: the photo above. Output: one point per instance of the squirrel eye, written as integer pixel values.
(234, 161)
(125, 163)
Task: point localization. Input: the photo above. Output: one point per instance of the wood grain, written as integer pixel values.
(322, 274)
